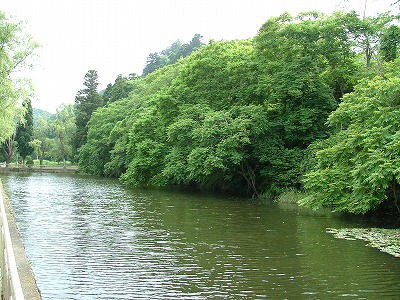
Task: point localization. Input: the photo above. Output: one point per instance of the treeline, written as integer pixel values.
(58, 137)
(21, 135)
(171, 54)
(250, 116)
(310, 103)
(41, 136)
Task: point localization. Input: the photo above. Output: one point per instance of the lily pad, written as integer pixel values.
(386, 240)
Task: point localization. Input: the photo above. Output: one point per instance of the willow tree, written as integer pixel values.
(15, 50)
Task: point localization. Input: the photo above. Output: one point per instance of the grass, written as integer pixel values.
(290, 196)
(48, 166)
(50, 163)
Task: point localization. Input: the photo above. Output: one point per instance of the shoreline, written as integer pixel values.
(47, 169)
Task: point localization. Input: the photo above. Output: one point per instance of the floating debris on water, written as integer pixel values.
(386, 240)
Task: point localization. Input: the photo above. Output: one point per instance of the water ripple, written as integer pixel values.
(90, 238)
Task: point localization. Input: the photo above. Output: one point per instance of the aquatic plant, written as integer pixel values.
(386, 240)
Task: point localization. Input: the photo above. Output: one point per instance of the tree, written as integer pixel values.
(196, 42)
(215, 149)
(9, 146)
(154, 62)
(36, 144)
(389, 43)
(43, 134)
(65, 129)
(87, 100)
(366, 32)
(120, 89)
(178, 50)
(171, 54)
(24, 132)
(15, 50)
(95, 153)
(236, 116)
(357, 169)
(146, 149)
(304, 63)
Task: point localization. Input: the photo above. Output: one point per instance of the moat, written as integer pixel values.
(91, 238)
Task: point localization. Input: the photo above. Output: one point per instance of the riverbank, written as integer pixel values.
(39, 169)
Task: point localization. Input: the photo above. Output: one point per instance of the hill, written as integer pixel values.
(40, 112)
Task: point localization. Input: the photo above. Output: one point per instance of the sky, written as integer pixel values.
(116, 36)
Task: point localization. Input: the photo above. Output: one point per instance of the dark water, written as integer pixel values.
(90, 238)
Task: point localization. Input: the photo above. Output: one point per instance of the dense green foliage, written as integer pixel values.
(16, 49)
(171, 54)
(251, 116)
(309, 103)
(120, 89)
(64, 130)
(53, 135)
(24, 131)
(358, 167)
(95, 154)
(232, 116)
(43, 137)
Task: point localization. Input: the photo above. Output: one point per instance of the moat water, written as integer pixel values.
(91, 238)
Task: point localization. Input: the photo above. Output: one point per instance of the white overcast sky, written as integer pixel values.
(116, 36)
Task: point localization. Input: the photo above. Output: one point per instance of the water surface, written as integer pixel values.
(91, 238)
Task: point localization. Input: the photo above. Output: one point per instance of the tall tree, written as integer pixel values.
(43, 135)
(24, 132)
(87, 100)
(64, 127)
(366, 34)
(390, 41)
(154, 62)
(15, 49)
(304, 60)
(120, 89)
(195, 43)
(172, 54)
(95, 154)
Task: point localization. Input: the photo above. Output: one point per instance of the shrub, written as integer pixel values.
(29, 161)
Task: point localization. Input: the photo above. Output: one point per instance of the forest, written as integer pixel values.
(311, 103)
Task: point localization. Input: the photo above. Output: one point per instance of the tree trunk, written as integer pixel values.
(395, 195)
(9, 150)
(250, 176)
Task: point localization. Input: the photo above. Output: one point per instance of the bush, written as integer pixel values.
(29, 161)
(290, 196)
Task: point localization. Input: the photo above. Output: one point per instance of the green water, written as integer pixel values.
(91, 238)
